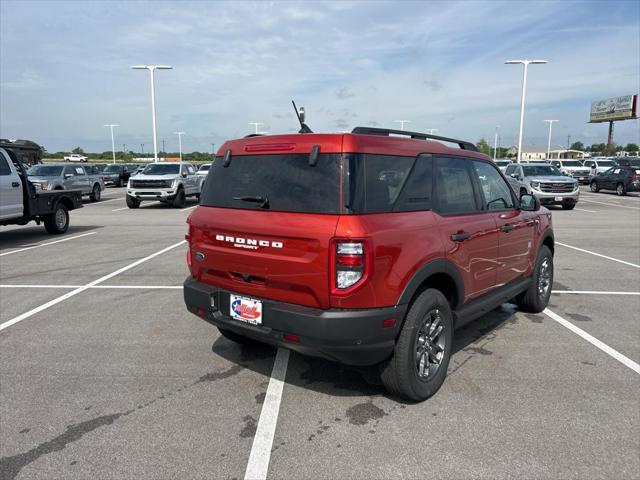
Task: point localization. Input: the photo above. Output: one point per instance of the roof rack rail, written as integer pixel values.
(420, 136)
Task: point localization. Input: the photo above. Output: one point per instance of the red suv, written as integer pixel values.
(363, 248)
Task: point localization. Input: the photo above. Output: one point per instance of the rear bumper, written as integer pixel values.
(353, 337)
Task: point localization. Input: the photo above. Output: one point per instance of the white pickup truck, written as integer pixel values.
(166, 182)
(76, 157)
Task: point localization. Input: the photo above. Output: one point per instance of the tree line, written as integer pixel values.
(594, 149)
(128, 156)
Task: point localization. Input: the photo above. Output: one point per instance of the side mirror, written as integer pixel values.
(529, 203)
(184, 174)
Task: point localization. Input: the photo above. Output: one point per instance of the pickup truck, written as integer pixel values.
(66, 177)
(76, 157)
(22, 202)
(166, 182)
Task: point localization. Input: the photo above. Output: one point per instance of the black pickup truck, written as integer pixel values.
(21, 202)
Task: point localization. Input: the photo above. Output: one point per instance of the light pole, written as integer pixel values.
(151, 69)
(430, 130)
(495, 143)
(142, 149)
(213, 148)
(113, 143)
(179, 142)
(402, 122)
(549, 141)
(524, 88)
(256, 124)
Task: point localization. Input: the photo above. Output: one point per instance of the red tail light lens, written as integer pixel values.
(349, 264)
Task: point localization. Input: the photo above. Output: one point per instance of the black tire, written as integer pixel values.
(594, 186)
(58, 221)
(403, 374)
(179, 200)
(132, 202)
(568, 206)
(621, 190)
(236, 337)
(535, 298)
(96, 193)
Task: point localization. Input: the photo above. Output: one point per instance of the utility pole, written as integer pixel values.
(256, 124)
(152, 69)
(568, 141)
(402, 122)
(163, 147)
(550, 122)
(526, 64)
(495, 143)
(213, 148)
(431, 130)
(113, 144)
(142, 148)
(609, 150)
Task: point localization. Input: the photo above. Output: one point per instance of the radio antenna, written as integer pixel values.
(304, 128)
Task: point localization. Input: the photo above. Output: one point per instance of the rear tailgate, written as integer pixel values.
(271, 255)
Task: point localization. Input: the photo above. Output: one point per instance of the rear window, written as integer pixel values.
(284, 183)
(571, 163)
(45, 170)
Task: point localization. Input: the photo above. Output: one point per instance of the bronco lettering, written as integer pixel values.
(250, 243)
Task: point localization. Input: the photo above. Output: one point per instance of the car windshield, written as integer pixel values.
(204, 168)
(45, 170)
(571, 163)
(606, 163)
(162, 169)
(540, 170)
(112, 169)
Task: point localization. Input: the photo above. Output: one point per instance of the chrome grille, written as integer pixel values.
(151, 183)
(550, 187)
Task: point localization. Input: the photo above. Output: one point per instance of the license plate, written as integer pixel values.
(583, 178)
(558, 199)
(245, 309)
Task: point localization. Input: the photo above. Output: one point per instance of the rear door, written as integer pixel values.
(11, 202)
(515, 227)
(469, 235)
(264, 226)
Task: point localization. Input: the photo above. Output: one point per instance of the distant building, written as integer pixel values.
(566, 154)
(539, 152)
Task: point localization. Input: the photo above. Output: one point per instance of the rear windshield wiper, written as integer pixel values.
(263, 201)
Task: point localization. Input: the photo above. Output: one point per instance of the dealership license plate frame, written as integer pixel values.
(244, 300)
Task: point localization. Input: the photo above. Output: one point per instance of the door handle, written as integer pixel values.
(460, 236)
(506, 228)
(15, 184)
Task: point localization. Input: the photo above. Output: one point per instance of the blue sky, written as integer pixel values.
(64, 68)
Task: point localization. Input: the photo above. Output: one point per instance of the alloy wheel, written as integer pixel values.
(544, 278)
(430, 345)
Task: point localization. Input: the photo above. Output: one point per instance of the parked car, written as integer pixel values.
(574, 168)
(621, 179)
(599, 165)
(66, 177)
(546, 182)
(628, 161)
(76, 157)
(21, 202)
(363, 248)
(117, 174)
(166, 182)
(503, 164)
(204, 169)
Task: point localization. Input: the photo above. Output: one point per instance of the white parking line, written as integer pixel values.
(258, 464)
(583, 210)
(590, 292)
(594, 341)
(188, 208)
(611, 204)
(104, 287)
(46, 244)
(118, 209)
(599, 255)
(82, 288)
(103, 201)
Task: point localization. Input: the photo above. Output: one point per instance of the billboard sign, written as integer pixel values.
(616, 108)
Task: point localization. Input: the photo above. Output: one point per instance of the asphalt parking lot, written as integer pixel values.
(104, 374)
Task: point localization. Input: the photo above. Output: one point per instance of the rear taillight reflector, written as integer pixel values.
(349, 264)
(389, 322)
(291, 338)
(202, 313)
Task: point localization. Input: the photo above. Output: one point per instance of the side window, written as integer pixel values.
(454, 189)
(416, 194)
(510, 169)
(588, 163)
(69, 171)
(79, 171)
(556, 164)
(616, 171)
(497, 194)
(4, 166)
(190, 170)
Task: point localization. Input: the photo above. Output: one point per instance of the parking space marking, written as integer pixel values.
(46, 244)
(599, 255)
(594, 341)
(583, 210)
(81, 289)
(188, 208)
(592, 292)
(258, 464)
(103, 201)
(611, 204)
(118, 209)
(104, 287)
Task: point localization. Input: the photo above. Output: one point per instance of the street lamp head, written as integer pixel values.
(152, 67)
(537, 62)
(524, 62)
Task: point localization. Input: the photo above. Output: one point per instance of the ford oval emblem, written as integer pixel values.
(199, 256)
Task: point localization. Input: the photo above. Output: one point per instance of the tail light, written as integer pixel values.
(350, 265)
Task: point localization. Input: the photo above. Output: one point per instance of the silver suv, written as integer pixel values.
(546, 182)
(166, 182)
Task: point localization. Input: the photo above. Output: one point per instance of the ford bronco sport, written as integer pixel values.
(364, 248)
